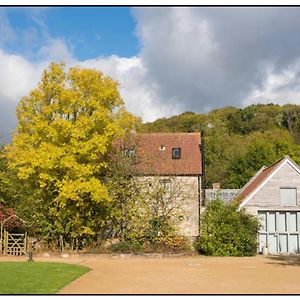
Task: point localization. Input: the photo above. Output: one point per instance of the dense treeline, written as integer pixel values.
(238, 142)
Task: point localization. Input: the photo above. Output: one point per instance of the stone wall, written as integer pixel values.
(185, 193)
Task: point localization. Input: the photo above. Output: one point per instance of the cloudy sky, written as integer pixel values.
(167, 60)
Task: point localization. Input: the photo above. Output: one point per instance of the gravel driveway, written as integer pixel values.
(189, 275)
(183, 275)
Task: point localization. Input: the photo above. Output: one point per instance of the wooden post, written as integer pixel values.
(1, 238)
(76, 244)
(25, 243)
(5, 241)
(61, 241)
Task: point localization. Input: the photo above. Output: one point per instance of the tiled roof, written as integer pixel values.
(258, 178)
(154, 152)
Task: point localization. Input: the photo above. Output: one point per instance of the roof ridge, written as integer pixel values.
(263, 168)
(276, 162)
(260, 178)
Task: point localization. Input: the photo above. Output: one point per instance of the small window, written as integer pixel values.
(130, 152)
(165, 185)
(288, 196)
(176, 153)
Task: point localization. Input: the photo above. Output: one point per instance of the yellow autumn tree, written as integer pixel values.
(66, 126)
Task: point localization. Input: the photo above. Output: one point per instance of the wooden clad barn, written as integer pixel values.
(274, 195)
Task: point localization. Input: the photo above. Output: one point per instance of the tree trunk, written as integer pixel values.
(61, 243)
(76, 244)
(72, 244)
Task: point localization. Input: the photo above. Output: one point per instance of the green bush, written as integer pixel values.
(126, 247)
(225, 231)
(177, 243)
(158, 230)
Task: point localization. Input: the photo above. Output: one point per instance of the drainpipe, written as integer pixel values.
(199, 202)
(201, 178)
(202, 151)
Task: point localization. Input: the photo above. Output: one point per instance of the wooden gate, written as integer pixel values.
(14, 243)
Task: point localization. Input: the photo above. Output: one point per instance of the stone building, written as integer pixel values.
(173, 160)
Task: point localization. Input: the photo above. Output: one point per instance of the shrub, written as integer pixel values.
(225, 231)
(177, 243)
(159, 230)
(126, 247)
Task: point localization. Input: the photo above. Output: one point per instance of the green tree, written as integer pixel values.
(66, 127)
(124, 191)
(143, 210)
(260, 149)
(291, 120)
(258, 117)
(232, 136)
(4, 180)
(225, 231)
(243, 167)
(163, 202)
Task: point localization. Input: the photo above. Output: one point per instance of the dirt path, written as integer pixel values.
(185, 275)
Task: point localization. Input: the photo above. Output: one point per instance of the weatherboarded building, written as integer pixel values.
(273, 194)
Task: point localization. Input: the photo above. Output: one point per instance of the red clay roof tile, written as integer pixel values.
(154, 151)
(260, 176)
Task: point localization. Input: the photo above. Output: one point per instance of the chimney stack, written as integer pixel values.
(216, 185)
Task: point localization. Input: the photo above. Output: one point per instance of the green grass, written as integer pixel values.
(37, 277)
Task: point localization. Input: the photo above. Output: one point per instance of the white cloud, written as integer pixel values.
(205, 58)
(191, 59)
(178, 47)
(20, 76)
(136, 89)
(278, 86)
(55, 50)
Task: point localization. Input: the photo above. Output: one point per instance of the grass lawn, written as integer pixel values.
(37, 277)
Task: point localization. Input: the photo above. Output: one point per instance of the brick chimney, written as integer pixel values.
(216, 185)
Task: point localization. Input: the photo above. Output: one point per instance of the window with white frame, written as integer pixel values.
(288, 196)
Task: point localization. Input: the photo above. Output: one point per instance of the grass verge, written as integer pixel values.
(37, 277)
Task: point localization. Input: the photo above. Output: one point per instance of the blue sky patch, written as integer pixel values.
(88, 31)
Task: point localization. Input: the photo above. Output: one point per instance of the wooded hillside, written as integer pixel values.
(238, 142)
